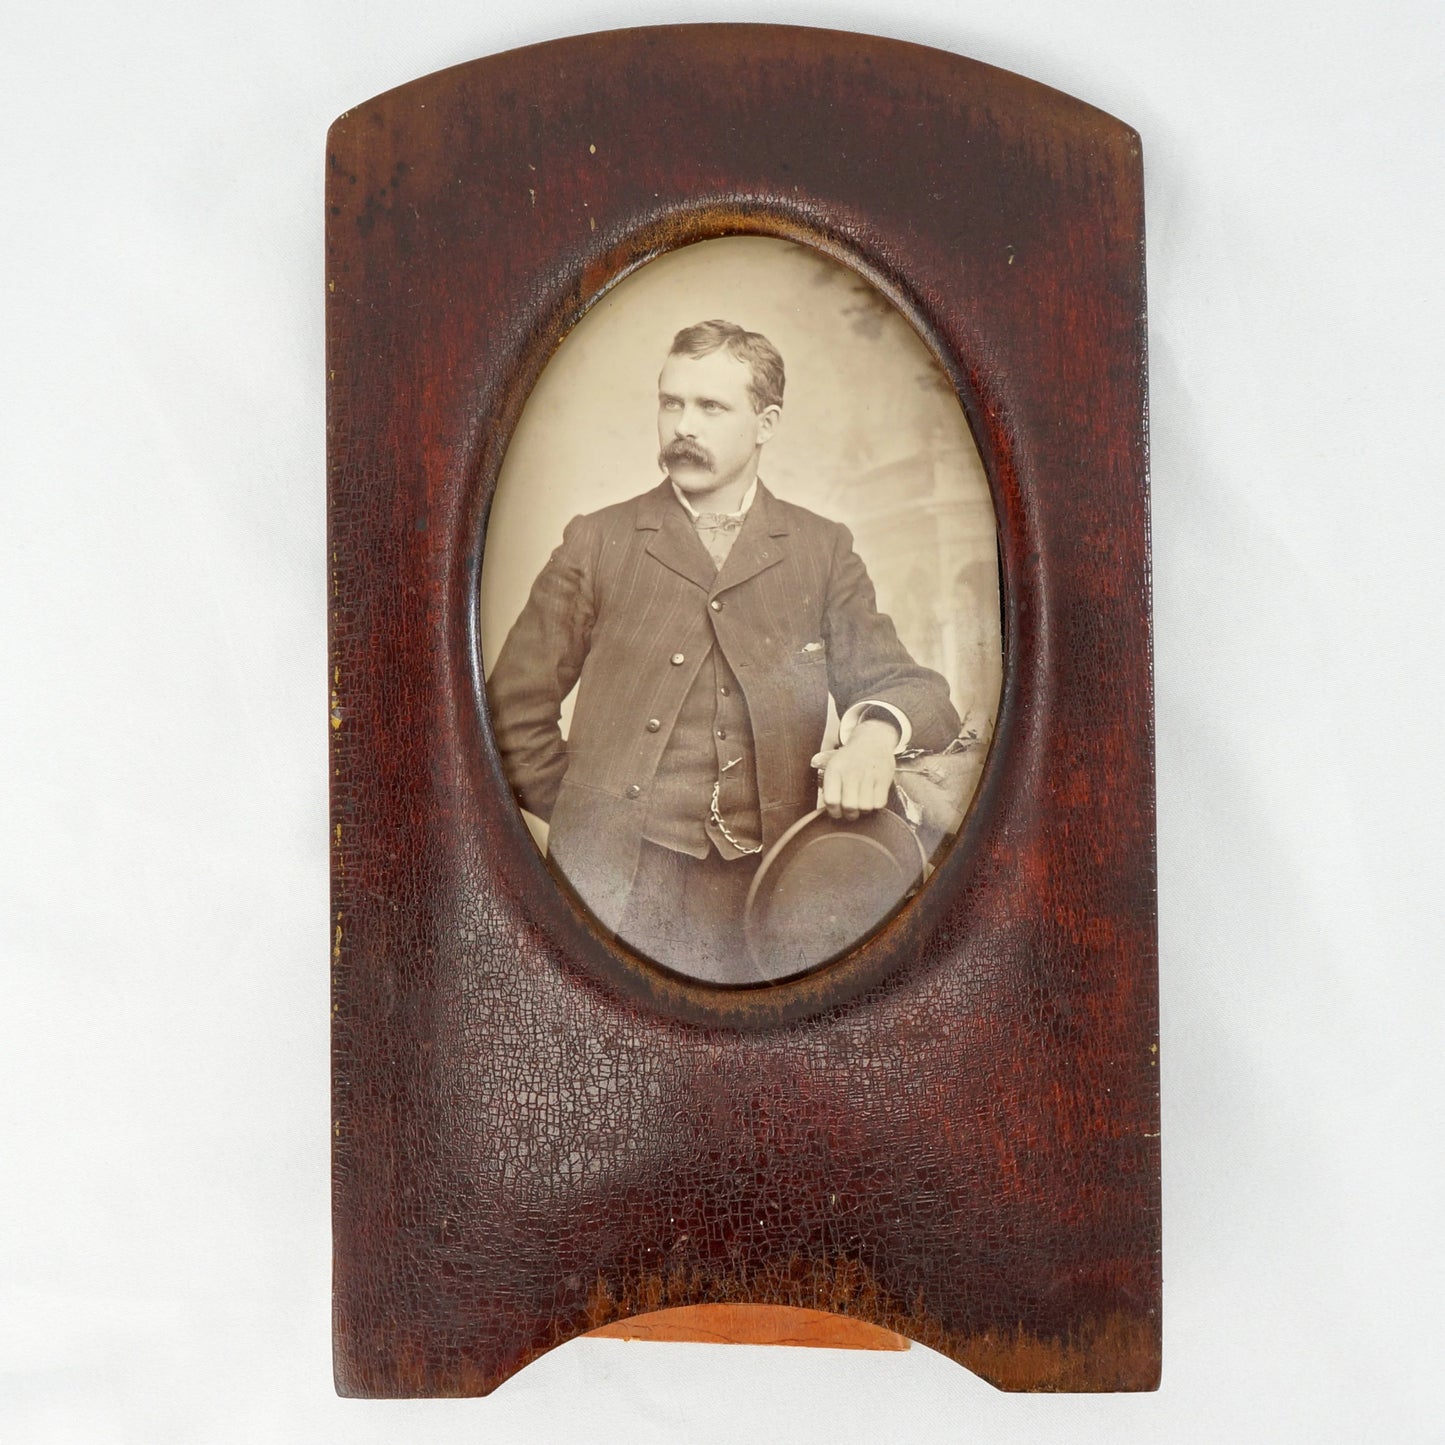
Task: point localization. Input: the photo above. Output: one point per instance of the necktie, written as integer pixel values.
(718, 531)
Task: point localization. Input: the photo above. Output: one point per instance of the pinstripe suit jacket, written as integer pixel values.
(628, 608)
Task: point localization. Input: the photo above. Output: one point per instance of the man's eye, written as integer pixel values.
(670, 405)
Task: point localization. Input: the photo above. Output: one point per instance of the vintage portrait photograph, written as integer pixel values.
(739, 611)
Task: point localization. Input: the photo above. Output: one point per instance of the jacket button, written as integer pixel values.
(633, 791)
(716, 604)
(722, 732)
(653, 724)
(678, 659)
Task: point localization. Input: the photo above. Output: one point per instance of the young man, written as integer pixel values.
(705, 624)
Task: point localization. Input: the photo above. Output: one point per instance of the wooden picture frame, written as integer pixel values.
(949, 1134)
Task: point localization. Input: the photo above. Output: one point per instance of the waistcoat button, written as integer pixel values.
(633, 791)
(678, 659)
(716, 604)
(653, 724)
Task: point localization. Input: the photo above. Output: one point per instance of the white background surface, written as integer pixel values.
(163, 1165)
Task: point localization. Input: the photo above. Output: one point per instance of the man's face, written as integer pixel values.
(707, 430)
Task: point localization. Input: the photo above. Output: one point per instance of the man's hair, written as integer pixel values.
(752, 348)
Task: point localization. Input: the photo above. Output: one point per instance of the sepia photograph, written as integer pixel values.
(739, 611)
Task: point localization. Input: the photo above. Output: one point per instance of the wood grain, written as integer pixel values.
(742, 1324)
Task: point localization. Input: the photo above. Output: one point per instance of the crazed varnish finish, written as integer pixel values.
(950, 1134)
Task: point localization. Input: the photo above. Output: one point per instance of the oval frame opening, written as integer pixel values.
(892, 941)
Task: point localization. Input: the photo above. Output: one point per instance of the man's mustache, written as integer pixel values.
(680, 451)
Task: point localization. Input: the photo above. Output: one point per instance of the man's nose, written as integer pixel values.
(685, 425)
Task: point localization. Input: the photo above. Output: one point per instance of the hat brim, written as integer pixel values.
(825, 885)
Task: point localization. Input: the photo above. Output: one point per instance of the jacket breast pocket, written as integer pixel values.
(810, 653)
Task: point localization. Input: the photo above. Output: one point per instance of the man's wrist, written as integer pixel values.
(875, 732)
(884, 712)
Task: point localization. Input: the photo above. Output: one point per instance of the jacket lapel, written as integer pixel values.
(761, 544)
(674, 543)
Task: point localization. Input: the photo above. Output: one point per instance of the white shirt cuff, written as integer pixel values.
(859, 711)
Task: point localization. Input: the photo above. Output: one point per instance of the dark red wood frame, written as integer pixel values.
(952, 1132)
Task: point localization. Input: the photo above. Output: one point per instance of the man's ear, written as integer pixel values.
(768, 419)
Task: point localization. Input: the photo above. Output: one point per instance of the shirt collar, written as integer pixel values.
(692, 511)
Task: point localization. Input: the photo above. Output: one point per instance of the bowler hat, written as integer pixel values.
(825, 885)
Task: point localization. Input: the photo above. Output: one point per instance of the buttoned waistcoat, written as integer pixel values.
(627, 609)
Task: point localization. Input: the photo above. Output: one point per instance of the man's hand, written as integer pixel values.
(858, 778)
